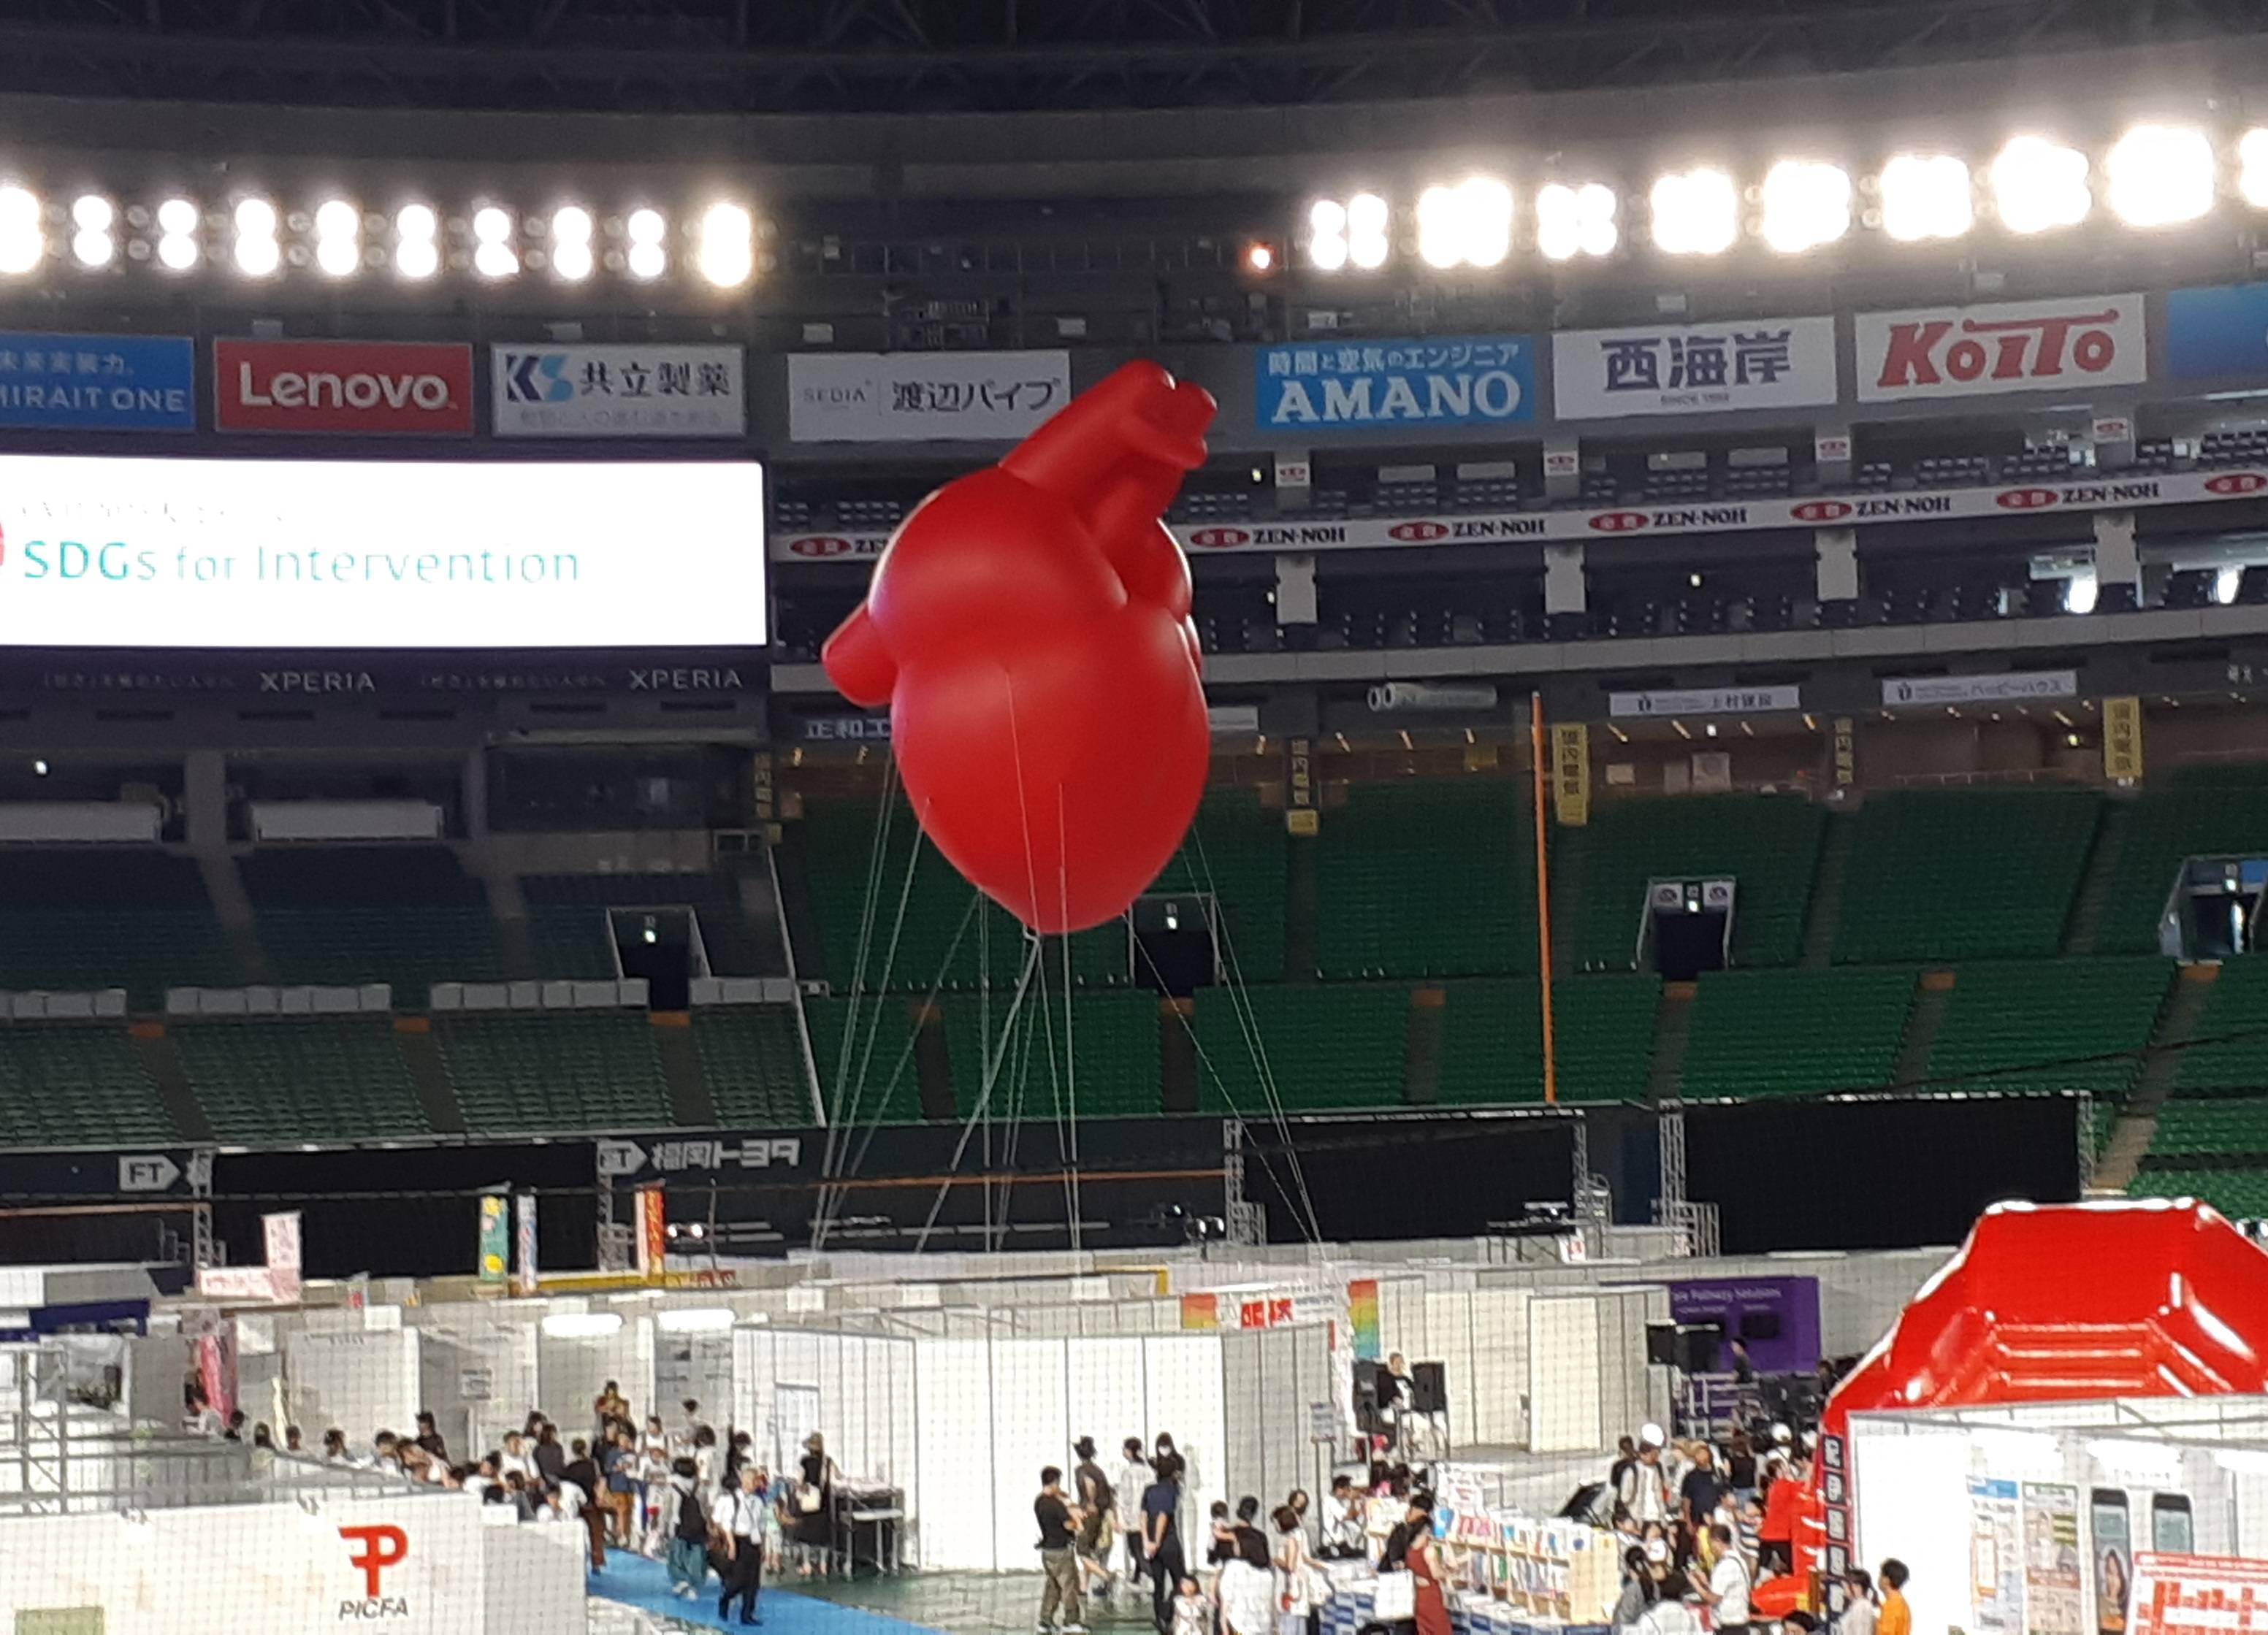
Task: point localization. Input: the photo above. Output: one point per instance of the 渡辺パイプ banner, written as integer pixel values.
(923, 397)
(1441, 380)
(1693, 369)
(378, 555)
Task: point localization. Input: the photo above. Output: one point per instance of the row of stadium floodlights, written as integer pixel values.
(2155, 176)
(339, 239)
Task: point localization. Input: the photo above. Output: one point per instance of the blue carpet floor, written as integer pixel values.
(637, 1582)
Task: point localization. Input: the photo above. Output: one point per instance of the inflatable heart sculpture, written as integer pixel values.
(1029, 628)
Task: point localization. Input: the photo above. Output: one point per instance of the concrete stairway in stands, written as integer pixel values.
(175, 1094)
(1824, 912)
(690, 1104)
(2078, 933)
(1673, 1019)
(414, 1036)
(2137, 1125)
(1932, 994)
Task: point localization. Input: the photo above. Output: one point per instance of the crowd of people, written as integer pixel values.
(682, 1495)
(1699, 1524)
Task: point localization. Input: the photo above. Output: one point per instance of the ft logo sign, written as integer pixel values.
(377, 1548)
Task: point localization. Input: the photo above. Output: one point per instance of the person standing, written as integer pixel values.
(1701, 1489)
(1097, 1514)
(1776, 1535)
(1859, 1609)
(688, 1533)
(1726, 1592)
(741, 1521)
(1161, 1536)
(1423, 1561)
(1058, 1557)
(814, 1500)
(429, 1438)
(1645, 1490)
(1344, 1535)
(550, 1459)
(1897, 1617)
(1133, 1479)
(1300, 1611)
(583, 1472)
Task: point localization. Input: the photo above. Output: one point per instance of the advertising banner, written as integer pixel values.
(98, 383)
(1363, 1319)
(2078, 342)
(1571, 773)
(652, 1234)
(618, 391)
(923, 397)
(1843, 751)
(1442, 380)
(2052, 1602)
(1709, 701)
(2122, 740)
(2220, 330)
(1200, 1311)
(1606, 523)
(366, 388)
(526, 1277)
(2013, 687)
(2187, 1595)
(1693, 369)
(307, 555)
(494, 1248)
(1996, 1559)
(280, 1238)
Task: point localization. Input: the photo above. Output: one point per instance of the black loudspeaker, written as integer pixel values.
(1696, 1348)
(1174, 950)
(1367, 1418)
(1662, 1344)
(1429, 1388)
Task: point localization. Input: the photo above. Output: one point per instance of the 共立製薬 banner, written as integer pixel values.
(378, 555)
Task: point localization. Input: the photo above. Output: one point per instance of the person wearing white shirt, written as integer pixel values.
(740, 1516)
(566, 1505)
(1728, 1591)
(1345, 1536)
(516, 1458)
(1646, 1488)
(1858, 1615)
(1133, 1481)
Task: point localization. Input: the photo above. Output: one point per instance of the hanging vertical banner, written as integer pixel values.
(1996, 1558)
(2052, 1600)
(1845, 752)
(280, 1238)
(523, 1208)
(1570, 774)
(765, 795)
(2122, 740)
(1301, 815)
(1200, 1311)
(652, 1234)
(1362, 1317)
(496, 1240)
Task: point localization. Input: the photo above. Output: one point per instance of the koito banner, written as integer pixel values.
(618, 391)
(923, 397)
(367, 388)
(1693, 369)
(1375, 533)
(402, 555)
(2076, 343)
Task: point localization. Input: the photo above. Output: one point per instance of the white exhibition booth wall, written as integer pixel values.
(2028, 1519)
(275, 1567)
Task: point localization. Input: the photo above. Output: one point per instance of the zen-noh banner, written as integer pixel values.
(1358, 386)
(924, 397)
(1693, 369)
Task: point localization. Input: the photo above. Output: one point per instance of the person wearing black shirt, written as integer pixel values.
(430, 1439)
(1058, 1561)
(550, 1457)
(1250, 1543)
(1625, 1456)
(584, 1473)
(1161, 1538)
(1701, 1489)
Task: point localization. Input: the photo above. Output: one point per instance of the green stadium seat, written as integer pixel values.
(554, 1072)
(567, 922)
(933, 930)
(90, 918)
(874, 1080)
(2197, 811)
(1769, 844)
(1114, 1042)
(2240, 1193)
(1964, 874)
(2049, 1025)
(76, 1084)
(295, 1078)
(1759, 1033)
(2228, 1052)
(1325, 1047)
(2224, 1126)
(1492, 1039)
(347, 914)
(752, 1062)
(1427, 879)
(1237, 850)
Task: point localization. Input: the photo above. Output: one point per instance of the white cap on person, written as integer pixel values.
(1650, 1435)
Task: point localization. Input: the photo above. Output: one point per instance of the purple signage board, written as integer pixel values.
(1778, 1316)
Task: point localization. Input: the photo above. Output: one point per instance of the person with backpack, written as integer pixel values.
(1098, 1502)
(688, 1533)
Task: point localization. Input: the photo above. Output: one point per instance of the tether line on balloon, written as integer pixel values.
(1065, 1103)
(993, 1058)
(870, 901)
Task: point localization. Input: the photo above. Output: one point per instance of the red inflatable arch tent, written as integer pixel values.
(2121, 1297)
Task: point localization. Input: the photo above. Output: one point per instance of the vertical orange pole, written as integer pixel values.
(1536, 746)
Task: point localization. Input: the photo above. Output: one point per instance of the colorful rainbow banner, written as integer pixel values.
(1362, 1316)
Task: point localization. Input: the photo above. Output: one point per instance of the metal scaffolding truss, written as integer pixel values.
(937, 56)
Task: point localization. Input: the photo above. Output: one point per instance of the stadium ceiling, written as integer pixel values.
(727, 57)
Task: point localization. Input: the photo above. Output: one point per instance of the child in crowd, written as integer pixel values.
(1192, 1612)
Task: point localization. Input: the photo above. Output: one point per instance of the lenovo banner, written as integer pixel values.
(411, 556)
(1693, 369)
(2070, 345)
(361, 388)
(618, 391)
(1600, 524)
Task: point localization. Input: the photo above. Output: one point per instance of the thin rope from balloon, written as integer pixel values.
(993, 1058)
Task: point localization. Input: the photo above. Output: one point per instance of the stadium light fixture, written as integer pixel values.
(178, 222)
(416, 248)
(23, 244)
(1926, 195)
(570, 243)
(92, 218)
(581, 1325)
(1576, 221)
(493, 256)
(2080, 591)
(1327, 240)
(2226, 583)
(2038, 185)
(257, 254)
(1696, 212)
(1366, 219)
(338, 238)
(1259, 256)
(647, 229)
(1468, 224)
(1806, 204)
(726, 249)
(2252, 167)
(2160, 175)
(694, 1319)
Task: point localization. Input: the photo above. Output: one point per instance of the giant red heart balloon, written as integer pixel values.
(1029, 627)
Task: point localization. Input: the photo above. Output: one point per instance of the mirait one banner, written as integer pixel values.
(378, 555)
